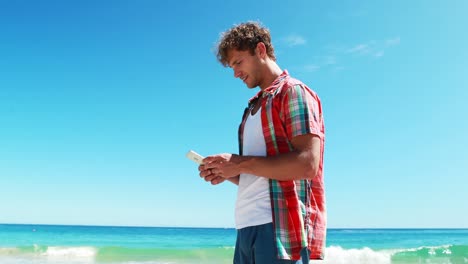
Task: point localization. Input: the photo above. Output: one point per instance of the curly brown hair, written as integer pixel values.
(243, 37)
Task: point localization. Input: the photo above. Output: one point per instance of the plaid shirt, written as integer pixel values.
(289, 109)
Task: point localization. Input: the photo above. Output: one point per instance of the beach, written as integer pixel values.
(44, 244)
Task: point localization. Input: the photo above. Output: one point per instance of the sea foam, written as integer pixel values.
(338, 255)
(70, 252)
(446, 254)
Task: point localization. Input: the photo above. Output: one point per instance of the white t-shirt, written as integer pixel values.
(253, 206)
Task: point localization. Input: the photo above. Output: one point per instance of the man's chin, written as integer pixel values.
(251, 86)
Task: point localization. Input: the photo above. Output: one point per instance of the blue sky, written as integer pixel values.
(100, 101)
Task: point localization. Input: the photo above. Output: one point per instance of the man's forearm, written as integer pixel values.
(288, 166)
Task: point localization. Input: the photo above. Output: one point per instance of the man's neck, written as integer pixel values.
(272, 71)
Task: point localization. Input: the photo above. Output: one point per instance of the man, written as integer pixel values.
(280, 207)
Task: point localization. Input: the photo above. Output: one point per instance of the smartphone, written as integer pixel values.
(197, 158)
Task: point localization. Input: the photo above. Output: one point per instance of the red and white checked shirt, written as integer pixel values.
(289, 109)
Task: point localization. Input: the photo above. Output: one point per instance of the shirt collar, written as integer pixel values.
(273, 87)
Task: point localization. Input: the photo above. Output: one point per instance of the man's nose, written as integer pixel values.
(237, 73)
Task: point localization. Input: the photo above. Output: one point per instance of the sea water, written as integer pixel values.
(46, 244)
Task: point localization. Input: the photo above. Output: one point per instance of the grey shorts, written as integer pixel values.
(256, 245)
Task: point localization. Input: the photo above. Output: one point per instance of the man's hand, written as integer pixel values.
(217, 168)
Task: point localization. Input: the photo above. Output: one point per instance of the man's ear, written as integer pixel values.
(261, 50)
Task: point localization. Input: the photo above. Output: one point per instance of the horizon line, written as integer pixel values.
(218, 227)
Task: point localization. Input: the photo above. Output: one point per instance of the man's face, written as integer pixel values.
(246, 67)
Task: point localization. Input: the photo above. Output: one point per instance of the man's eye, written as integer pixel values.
(236, 63)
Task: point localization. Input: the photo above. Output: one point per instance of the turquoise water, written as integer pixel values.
(45, 244)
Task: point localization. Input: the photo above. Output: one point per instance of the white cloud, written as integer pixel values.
(311, 68)
(374, 48)
(339, 54)
(294, 40)
(393, 41)
(361, 49)
(379, 54)
(330, 60)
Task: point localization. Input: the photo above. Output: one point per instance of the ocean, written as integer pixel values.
(46, 244)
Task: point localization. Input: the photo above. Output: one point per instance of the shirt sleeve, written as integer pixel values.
(302, 112)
